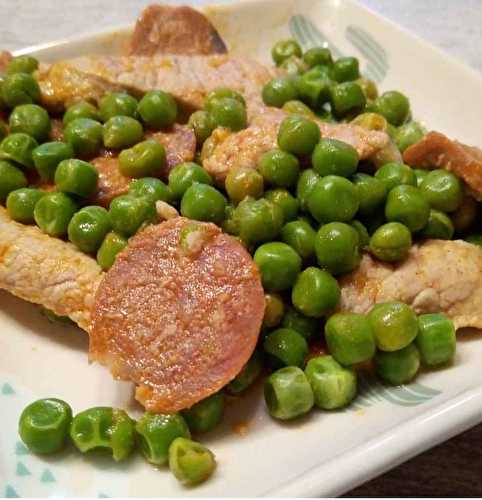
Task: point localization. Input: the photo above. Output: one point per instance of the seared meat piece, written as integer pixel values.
(187, 78)
(179, 313)
(5, 58)
(437, 276)
(47, 271)
(436, 150)
(174, 30)
(244, 148)
(180, 145)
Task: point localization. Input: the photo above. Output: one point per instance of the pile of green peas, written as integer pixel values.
(306, 214)
(46, 426)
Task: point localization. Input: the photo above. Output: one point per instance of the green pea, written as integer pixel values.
(372, 193)
(304, 325)
(288, 393)
(18, 147)
(273, 309)
(76, 177)
(296, 107)
(284, 49)
(293, 66)
(350, 338)
(333, 385)
(436, 340)
(221, 93)
(242, 182)
(52, 213)
(347, 98)
(112, 244)
(144, 159)
(394, 106)
(85, 136)
(157, 109)
(395, 174)
(117, 104)
(406, 204)
(286, 347)
(439, 226)
(103, 427)
(205, 415)
(346, 69)
(370, 121)
(465, 215)
(306, 182)
(81, 109)
(314, 87)
(398, 367)
(315, 292)
(202, 124)
(88, 227)
(22, 64)
(258, 220)
(47, 156)
(183, 175)
(156, 432)
(474, 239)
(391, 242)
(369, 88)
(333, 157)
(278, 264)
(279, 91)
(21, 204)
(337, 248)
(363, 236)
(190, 462)
(333, 198)
(408, 134)
(44, 425)
(245, 378)
(151, 188)
(122, 132)
(127, 213)
(298, 135)
(20, 88)
(443, 190)
(228, 112)
(420, 175)
(317, 56)
(300, 236)
(394, 325)
(203, 202)
(279, 168)
(284, 200)
(11, 179)
(30, 119)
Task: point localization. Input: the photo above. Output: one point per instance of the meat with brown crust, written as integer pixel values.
(178, 314)
(174, 30)
(436, 150)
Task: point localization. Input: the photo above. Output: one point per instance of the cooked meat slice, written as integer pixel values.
(180, 145)
(437, 276)
(436, 150)
(178, 313)
(174, 30)
(57, 130)
(5, 58)
(244, 148)
(187, 78)
(47, 271)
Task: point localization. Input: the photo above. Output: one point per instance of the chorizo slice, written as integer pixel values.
(179, 313)
(174, 30)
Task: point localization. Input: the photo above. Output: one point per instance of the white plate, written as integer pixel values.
(326, 453)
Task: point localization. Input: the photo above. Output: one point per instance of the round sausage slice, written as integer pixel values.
(179, 313)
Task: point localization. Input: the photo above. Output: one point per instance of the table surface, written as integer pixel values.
(452, 468)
